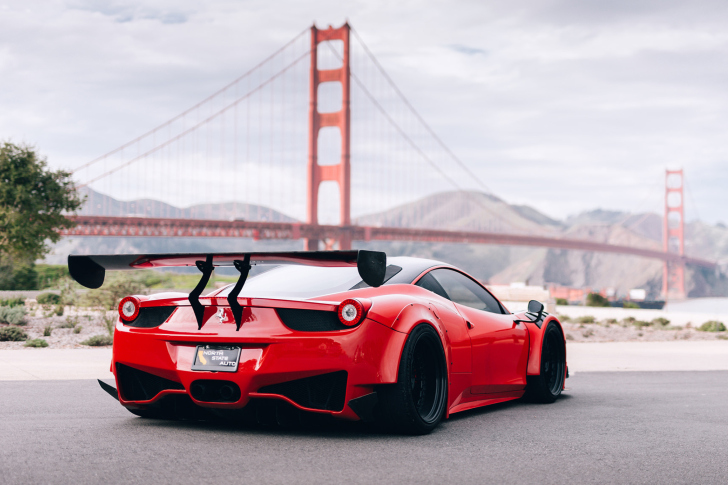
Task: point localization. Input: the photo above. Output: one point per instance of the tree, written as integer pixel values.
(595, 299)
(33, 204)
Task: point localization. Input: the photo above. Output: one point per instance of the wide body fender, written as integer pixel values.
(536, 341)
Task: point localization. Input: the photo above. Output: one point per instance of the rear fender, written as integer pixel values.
(536, 338)
(414, 314)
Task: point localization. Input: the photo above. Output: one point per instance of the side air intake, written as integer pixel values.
(137, 385)
(326, 391)
(150, 317)
(310, 320)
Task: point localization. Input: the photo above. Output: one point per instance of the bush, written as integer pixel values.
(12, 334)
(610, 321)
(70, 322)
(109, 295)
(660, 322)
(17, 301)
(48, 299)
(59, 310)
(595, 299)
(47, 331)
(49, 274)
(13, 315)
(586, 319)
(562, 301)
(640, 323)
(712, 326)
(629, 320)
(36, 342)
(564, 318)
(98, 341)
(630, 304)
(77, 329)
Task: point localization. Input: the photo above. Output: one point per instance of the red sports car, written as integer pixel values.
(352, 334)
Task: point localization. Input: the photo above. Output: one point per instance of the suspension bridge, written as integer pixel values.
(303, 146)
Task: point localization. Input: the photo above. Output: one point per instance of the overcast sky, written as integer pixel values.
(563, 105)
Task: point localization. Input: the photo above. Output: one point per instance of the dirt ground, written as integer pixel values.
(65, 332)
(627, 331)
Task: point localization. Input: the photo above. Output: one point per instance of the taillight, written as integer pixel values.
(351, 312)
(129, 308)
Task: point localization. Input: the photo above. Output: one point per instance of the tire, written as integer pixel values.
(417, 402)
(547, 386)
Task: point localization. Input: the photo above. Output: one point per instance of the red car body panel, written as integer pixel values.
(488, 355)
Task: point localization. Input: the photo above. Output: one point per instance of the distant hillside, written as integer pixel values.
(474, 211)
(98, 204)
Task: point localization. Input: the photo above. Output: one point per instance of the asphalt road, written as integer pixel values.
(636, 427)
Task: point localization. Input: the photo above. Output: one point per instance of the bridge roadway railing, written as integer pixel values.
(158, 227)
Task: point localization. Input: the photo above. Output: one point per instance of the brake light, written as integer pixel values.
(129, 308)
(351, 312)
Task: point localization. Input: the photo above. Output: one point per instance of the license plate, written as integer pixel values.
(216, 358)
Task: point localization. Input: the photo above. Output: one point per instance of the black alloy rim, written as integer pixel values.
(427, 379)
(553, 367)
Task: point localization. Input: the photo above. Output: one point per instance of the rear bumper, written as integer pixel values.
(271, 354)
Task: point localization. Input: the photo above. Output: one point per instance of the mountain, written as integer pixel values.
(472, 211)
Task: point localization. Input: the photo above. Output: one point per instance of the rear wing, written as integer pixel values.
(90, 271)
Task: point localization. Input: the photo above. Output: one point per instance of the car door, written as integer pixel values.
(499, 345)
(457, 330)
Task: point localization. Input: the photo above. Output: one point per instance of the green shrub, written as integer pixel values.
(109, 295)
(610, 321)
(586, 319)
(640, 323)
(36, 342)
(12, 334)
(49, 274)
(595, 299)
(70, 322)
(48, 299)
(59, 310)
(98, 341)
(660, 322)
(77, 329)
(630, 304)
(712, 326)
(13, 315)
(562, 301)
(110, 324)
(11, 302)
(47, 330)
(564, 318)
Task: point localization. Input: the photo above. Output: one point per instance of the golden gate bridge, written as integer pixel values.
(323, 97)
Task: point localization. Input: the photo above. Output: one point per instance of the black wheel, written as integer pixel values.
(547, 387)
(417, 402)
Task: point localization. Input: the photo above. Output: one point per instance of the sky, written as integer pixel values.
(566, 106)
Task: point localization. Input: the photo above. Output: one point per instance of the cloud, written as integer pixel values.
(562, 105)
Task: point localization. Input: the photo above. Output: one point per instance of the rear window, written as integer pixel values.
(295, 281)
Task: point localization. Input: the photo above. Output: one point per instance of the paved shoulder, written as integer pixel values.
(54, 364)
(648, 356)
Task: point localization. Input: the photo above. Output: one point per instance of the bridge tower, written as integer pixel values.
(341, 172)
(673, 280)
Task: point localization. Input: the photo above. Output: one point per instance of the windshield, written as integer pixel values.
(293, 281)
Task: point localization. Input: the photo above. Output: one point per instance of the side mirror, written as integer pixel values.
(535, 307)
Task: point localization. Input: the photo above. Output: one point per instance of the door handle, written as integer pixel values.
(470, 325)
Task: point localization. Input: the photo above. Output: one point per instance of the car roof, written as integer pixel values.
(411, 268)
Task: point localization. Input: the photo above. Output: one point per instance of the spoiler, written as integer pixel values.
(89, 271)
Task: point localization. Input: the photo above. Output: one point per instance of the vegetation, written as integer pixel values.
(564, 318)
(33, 203)
(70, 322)
(12, 334)
(48, 299)
(36, 342)
(562, 301)
(16, 301)
(47, 330)
(595, 299)
(586, 319)
(50, 274)
(712, 326)
(660, 322)
(98, 341)
(13, 315)
(77, 329)
(641, 323)
(630, 304)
